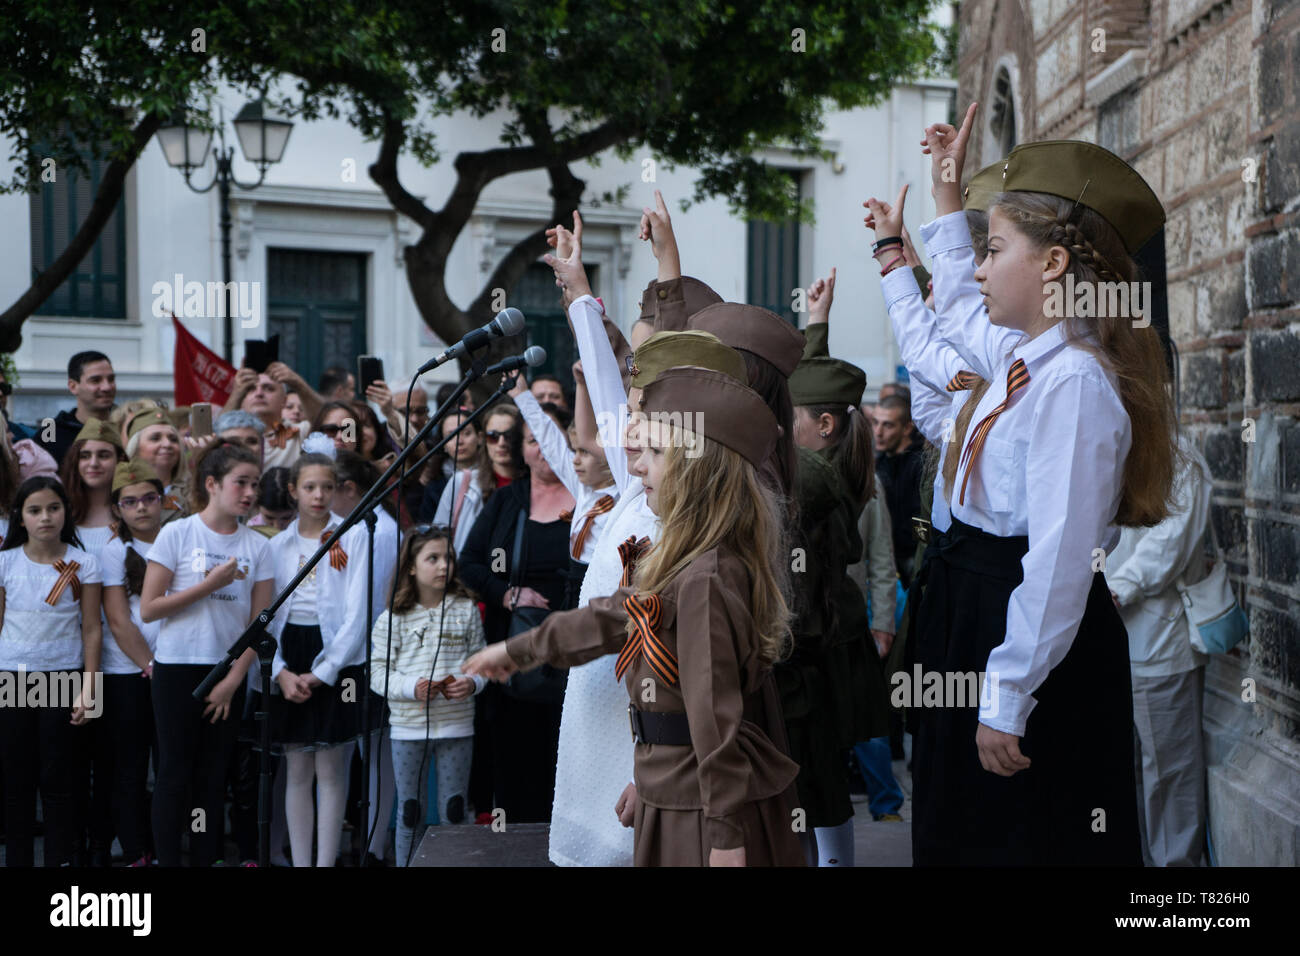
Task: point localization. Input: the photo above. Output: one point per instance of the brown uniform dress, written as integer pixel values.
(732, 786)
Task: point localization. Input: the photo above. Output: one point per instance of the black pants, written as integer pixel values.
(39, 751)
(121, 739)
(193, 755)
(1074, 805)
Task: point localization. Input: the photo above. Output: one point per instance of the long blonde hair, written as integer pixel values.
(712, 499)
(1097, 254)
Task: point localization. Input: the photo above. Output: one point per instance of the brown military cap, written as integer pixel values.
(142, 420)
(827, 381)
(132, 473)
(696, 294)
(720, 407)
(1094, 177)
(97, 429)
(753, 329)
(665, 350)
(982, 187)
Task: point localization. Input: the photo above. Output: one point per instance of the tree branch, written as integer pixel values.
(106, 199)
(384, 173)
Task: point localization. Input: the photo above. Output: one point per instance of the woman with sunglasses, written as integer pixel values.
(471, 487)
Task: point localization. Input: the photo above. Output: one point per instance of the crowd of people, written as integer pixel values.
(708, 533)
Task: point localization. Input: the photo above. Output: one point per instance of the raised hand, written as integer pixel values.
(820, 294)
(946, 148)
(561, 240)
(884, 219)
(570, 275)
(657, 227)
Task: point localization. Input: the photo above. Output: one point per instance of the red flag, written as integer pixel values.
(200, 374)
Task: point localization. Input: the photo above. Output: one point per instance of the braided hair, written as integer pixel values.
(1132, 352)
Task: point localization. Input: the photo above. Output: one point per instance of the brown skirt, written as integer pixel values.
(678, 838)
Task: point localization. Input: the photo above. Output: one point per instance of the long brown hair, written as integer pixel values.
(851, 450)
(405, 594)
(714, 499)
(216, 462)
(70, 475)
(1097, 254)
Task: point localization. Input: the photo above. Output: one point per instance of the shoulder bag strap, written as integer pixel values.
(516, 556)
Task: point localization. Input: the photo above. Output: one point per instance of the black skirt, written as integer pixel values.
(1075, 805)
(332, 715)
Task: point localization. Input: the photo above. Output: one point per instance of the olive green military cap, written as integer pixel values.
(665, 350)
(827, 381)
(1094, 177)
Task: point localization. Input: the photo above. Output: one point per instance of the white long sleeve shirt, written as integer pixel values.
(594, 761)
(604, 383)
(340, 600)
(556, 451)
(931, 364)
(1144, 568)
(1051, 468)
(469, 509)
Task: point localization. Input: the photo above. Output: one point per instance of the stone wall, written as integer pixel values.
(1203, 98)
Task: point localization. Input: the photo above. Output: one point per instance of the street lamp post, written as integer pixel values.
(262, 137)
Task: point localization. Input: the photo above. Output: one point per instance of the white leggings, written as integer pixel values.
(411, 768)
(329, 769)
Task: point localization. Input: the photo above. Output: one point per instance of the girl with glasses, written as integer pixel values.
(137, 499)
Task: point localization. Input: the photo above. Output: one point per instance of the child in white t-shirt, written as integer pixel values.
(208, 576)
(49, 653)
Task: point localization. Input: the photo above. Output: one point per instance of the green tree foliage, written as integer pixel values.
(701, 84)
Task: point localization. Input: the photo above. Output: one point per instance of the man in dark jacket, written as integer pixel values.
(92, 381)
(898, 463)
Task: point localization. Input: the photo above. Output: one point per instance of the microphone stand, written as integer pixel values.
(255, 635)
(507, 383)
(363, 818)
(469, 417)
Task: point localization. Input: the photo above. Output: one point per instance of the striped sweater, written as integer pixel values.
(416, 644)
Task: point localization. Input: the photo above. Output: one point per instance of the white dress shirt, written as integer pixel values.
(558, 454)
(1051, 468)
(594, 760)
(469, 508)
(340, 600)
(931, 364)
(1144, 568)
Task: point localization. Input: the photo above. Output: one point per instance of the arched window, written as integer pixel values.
(1002, 112)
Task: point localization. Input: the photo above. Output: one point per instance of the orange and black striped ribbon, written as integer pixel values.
(645, 614)
(602, 505)
(1017, 379)
(566, 514)
(338, 557)
(278, 437)
(67, 576)
(962, 381)
(628, 552)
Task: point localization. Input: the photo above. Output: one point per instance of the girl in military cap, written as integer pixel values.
(127, 723)
(836, 479)
(153, 436)
(1071, 441)
(699, 628)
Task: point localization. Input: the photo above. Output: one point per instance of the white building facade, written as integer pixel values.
(322, 250)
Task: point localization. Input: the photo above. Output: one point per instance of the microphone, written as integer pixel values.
(507, 322)
(534, 356)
